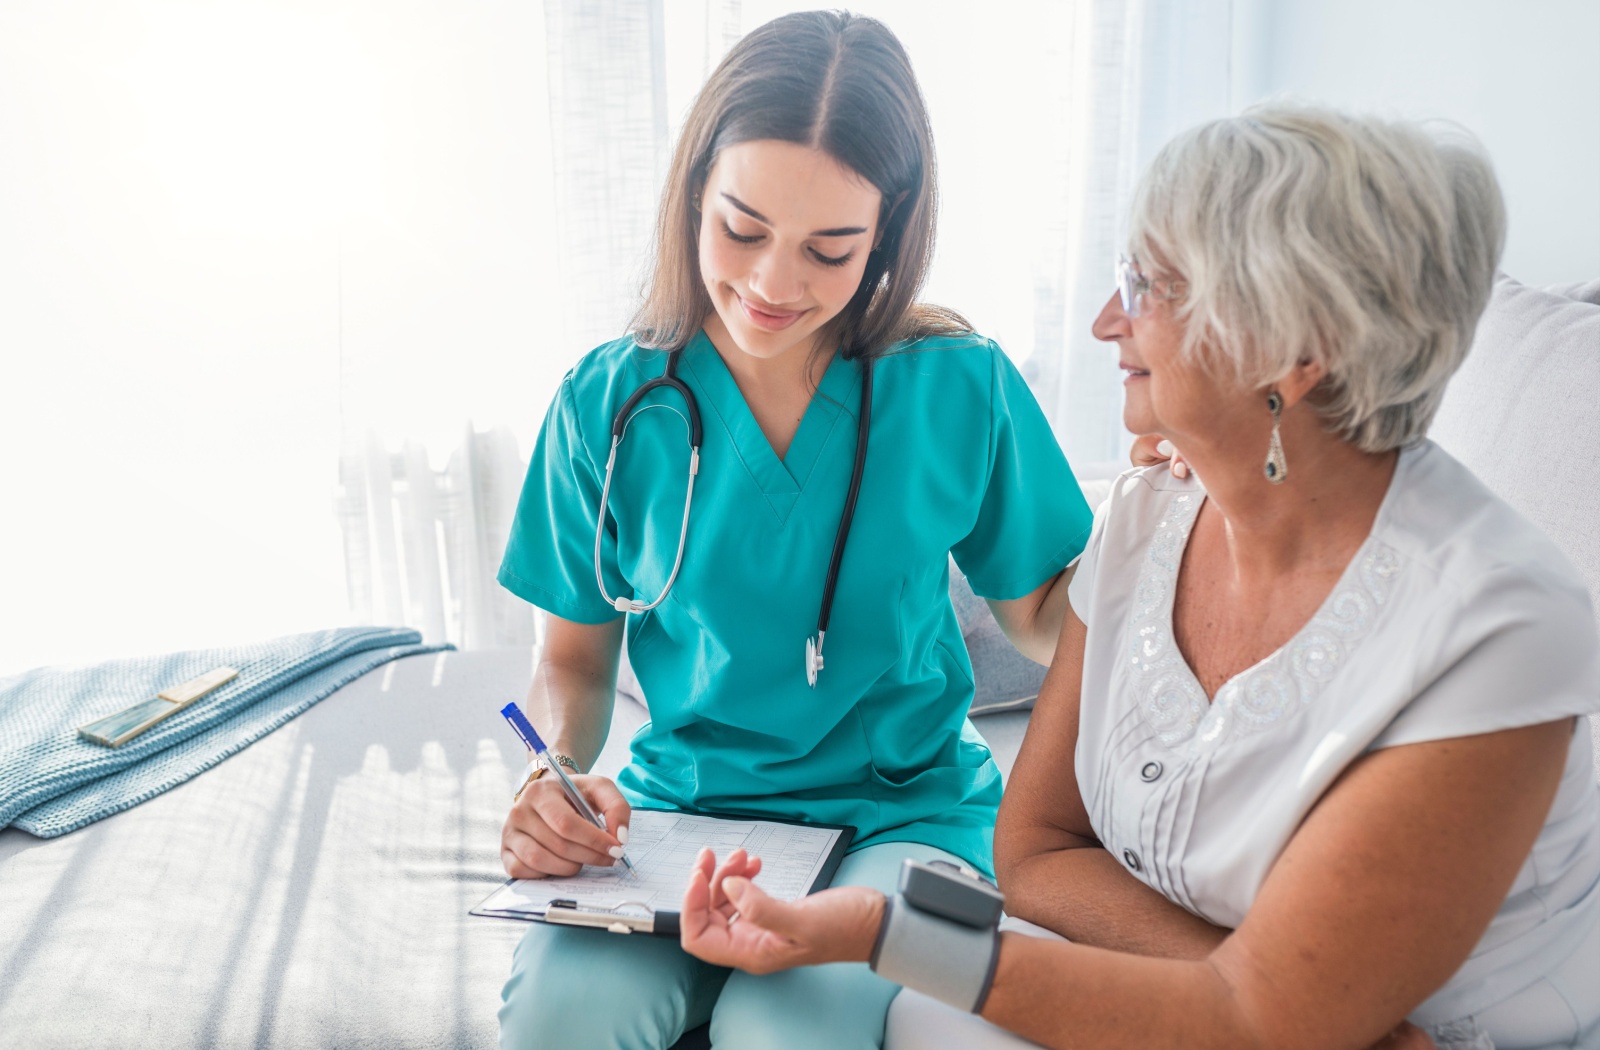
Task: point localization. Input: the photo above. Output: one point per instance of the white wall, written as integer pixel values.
(1523, 75)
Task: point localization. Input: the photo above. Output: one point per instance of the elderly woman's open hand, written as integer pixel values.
(729, 921)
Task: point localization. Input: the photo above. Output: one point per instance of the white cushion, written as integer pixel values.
(1523, 414)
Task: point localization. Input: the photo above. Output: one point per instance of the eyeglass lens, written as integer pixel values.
(1128, 286)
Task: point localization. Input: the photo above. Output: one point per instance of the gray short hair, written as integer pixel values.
(1367, 245)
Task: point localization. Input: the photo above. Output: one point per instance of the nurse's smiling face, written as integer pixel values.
(784, 235)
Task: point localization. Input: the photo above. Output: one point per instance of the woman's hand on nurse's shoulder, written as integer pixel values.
(543, 835)
(1150, 449)
(727, 920)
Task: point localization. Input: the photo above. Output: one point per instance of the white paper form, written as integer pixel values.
(662, 847)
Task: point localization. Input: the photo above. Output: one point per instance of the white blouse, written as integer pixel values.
(1456, 617)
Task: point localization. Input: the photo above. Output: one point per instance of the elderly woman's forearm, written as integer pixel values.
(1085, 895)
(1069, 995)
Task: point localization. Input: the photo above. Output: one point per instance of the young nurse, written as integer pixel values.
(795, 231)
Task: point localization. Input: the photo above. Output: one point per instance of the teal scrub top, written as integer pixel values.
(960, 461)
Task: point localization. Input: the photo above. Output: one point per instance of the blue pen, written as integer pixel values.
(530, 736)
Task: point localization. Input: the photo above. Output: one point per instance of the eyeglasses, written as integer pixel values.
(1133, 286)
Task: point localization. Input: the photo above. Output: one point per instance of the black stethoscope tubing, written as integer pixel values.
(851, 495)
(668, 378)
(619, 426)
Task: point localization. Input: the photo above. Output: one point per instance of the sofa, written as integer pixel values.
(313, 890)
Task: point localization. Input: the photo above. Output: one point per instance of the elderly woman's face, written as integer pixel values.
(1166, 391)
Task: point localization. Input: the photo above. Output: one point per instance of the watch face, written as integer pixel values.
(535, 771)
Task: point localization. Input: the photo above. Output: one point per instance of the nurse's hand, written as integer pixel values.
(544, 835)
(1150, 449)
(728, 921)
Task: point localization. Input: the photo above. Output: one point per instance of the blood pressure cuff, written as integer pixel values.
(940, 935)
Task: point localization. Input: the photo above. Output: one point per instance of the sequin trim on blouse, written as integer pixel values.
(1170, 697)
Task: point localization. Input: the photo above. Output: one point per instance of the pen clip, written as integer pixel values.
(522, 727)
(613, 919)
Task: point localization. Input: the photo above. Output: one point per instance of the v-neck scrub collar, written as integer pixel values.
(837, 392)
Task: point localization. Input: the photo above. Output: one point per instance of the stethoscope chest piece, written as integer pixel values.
(813, 659)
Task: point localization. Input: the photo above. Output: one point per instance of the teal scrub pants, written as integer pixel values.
(585, 988)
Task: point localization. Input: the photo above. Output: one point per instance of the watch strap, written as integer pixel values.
(536, 769)
(532, 773)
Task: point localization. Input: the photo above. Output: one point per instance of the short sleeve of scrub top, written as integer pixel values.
(549, 557)
(1016, 520)
(960, 461)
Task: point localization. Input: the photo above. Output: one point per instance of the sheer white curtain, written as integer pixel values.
(423, 538)
(425, 519)
(168, 368)
(1136, 72)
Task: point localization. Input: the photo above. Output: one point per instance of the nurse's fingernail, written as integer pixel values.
(615, 851)
(1180, 469)
(622, 835)
(1164, 447)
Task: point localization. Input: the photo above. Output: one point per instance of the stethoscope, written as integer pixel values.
(619, 427)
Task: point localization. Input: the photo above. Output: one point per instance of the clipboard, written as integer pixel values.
(665, 850)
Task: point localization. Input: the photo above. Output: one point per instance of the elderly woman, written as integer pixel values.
(1306, 762)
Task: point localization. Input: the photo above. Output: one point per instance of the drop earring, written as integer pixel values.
(1277, 467)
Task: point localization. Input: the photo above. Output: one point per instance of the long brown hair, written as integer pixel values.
(836, 82)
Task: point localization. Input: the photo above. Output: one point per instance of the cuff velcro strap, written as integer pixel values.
(951, 962)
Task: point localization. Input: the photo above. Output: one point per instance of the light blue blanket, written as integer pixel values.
(52, 781)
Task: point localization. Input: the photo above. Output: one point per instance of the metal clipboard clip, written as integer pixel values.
(612, 919)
